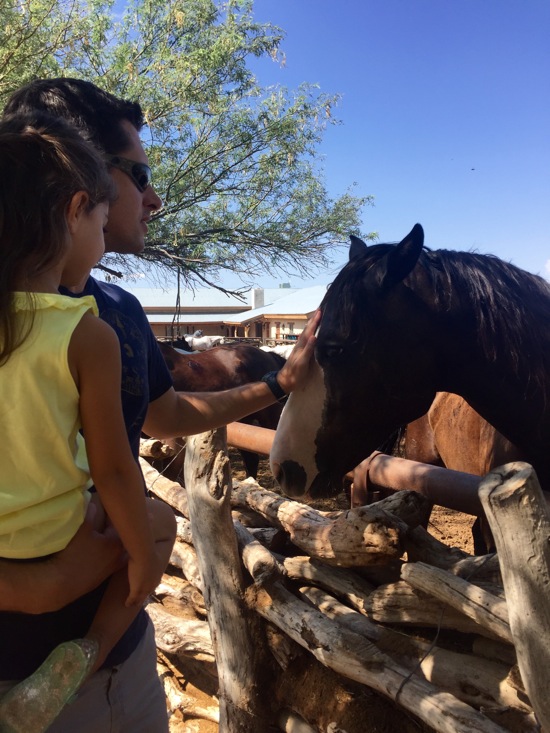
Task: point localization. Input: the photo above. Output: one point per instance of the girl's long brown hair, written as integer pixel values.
(44, 162)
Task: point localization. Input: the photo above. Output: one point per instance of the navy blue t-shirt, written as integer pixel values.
(25, 639)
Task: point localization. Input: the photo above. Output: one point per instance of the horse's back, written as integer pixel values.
(218, 368)
(463, 440)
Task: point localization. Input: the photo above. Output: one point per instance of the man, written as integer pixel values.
(125, 695)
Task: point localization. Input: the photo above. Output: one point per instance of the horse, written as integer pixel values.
(202, 343)
(224, 367)
(400, 323)
(453, 435)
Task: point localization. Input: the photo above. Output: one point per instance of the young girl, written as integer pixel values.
(60, 372)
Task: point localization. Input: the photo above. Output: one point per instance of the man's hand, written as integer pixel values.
(295, 373)
(48, 585)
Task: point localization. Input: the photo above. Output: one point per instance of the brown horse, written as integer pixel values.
(453, 435)
(401, 323)
(224, 367)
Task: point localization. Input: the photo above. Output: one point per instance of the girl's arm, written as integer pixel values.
(94, 359)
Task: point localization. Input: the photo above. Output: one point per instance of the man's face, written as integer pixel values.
(130, 212)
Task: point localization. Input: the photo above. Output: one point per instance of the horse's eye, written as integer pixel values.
(329, 351)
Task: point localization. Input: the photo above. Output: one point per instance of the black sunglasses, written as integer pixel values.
(138, 172)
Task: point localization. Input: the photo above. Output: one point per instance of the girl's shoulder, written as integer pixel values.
(53, 301)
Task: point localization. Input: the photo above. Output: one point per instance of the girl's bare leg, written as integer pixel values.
(113, 617)
(32, 705)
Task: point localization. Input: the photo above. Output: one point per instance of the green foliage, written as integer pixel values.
(236, 164)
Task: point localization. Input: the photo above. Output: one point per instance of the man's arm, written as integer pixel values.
(48, 585)
(188, 413)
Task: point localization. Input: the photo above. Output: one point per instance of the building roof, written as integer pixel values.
(283, 302)
(299, 303)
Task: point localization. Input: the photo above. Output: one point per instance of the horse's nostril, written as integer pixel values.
(292, 478)
(276, 471)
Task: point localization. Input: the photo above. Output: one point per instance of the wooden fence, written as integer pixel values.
(367, 595)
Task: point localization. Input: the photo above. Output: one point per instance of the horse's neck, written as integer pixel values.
(510, 387)
(505, 403)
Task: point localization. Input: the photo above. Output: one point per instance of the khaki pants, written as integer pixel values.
(127, 698)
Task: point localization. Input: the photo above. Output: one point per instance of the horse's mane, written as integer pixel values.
(510, 307)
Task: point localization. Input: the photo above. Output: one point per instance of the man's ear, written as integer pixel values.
(78, 206)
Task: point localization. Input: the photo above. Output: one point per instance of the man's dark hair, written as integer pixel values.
(95, 113)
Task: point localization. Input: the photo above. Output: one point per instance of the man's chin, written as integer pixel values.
(125, 248)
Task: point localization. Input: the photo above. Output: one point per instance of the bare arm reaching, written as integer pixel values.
(188, 413)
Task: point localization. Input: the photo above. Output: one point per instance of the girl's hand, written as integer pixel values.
(143, 578)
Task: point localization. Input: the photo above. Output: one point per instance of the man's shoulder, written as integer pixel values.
(112, 293)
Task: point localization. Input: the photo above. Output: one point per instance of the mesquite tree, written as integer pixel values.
(237, 165)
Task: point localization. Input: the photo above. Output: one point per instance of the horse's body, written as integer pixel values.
(401, 323)
(225, 367)
(453, 435)
(202, 343)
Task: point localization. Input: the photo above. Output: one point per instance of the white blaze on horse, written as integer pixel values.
(401, 323)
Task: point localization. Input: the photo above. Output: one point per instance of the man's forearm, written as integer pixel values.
(188, 413)
(31, 587)
(44, 585)
(177, 414)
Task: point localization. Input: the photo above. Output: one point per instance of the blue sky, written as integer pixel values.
(445, 116)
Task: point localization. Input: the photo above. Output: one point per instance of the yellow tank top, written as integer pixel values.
(44, 469)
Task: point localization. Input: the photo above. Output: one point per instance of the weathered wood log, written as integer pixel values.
(361, 536)
(421, 545)
(248, 518)
(185, 558)
(182, 590)
(177, 699)
(183, 530)
(484, 608)
(257, 559)
(520, 523)
(331, 702)
(494, 649)
(353, 656)
(400, 603)
(269, 537)
(413, 508)
(181, 636)
(236, 633)
(171, 492)
(484, 568)
(154, 448)
(341, 582)
(474, 680)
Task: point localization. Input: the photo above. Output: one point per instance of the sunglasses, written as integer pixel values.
(138, 172)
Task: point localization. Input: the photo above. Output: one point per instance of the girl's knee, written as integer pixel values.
(163, 521)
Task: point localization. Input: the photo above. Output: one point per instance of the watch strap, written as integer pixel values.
(271, 380)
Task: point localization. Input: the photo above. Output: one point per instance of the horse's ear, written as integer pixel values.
(403, 257)
(357, 247)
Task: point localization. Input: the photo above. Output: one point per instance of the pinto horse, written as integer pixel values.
(400, 323)
(225, 367)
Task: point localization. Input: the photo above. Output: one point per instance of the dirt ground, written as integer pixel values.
(448, 526)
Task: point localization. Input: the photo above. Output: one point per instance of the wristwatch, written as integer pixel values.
(271, 380)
